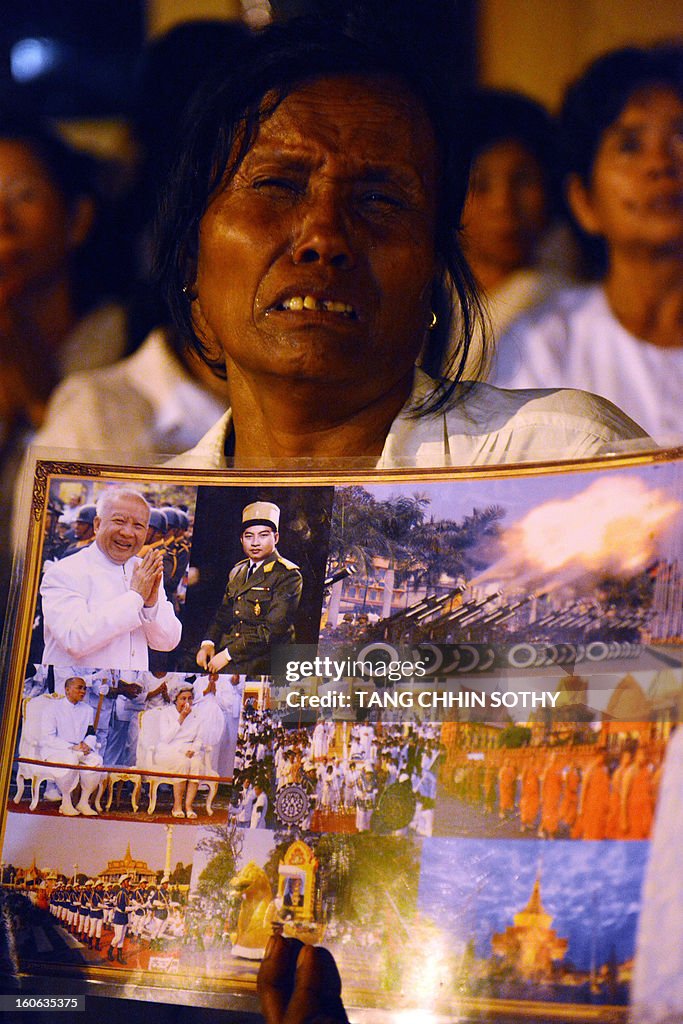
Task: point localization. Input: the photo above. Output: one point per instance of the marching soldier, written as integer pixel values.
(122, 903)
(96, 914)
(160, 901)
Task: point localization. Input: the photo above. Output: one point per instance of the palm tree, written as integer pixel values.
(418, 550)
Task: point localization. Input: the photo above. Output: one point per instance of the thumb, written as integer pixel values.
(316, 998)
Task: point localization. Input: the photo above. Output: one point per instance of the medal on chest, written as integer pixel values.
(257, 607)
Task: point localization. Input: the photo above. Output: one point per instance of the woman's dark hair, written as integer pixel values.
(492, 116)
(595, 101)
(597, 98)
(74, 174)
(70, 171)
(222, 126)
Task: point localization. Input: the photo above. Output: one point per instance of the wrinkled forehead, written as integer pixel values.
(374, 119)
(130, 507)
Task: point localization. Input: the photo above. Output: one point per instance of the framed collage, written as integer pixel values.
(419, 717)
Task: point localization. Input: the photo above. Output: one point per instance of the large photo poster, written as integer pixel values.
(421, 718)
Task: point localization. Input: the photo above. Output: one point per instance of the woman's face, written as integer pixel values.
(506, 207)
(37, 231)
(316, 260)
(184, 700)
(635, 197)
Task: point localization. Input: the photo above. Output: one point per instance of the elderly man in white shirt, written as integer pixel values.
(69, 738)
(104, 606)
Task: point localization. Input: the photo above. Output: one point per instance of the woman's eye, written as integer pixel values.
(629, 143)
(273, 184)
(375, 197)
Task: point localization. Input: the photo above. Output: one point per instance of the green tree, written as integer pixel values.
(224, 844)
(371, 877)
(514, 736)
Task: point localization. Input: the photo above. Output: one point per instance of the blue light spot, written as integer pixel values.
(31, 58)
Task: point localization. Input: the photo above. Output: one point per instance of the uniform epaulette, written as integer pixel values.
(238, 565)
(286, 562)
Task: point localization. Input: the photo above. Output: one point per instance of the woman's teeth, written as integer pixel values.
(299, 302)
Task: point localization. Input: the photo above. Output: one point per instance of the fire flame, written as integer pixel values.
(613, 526)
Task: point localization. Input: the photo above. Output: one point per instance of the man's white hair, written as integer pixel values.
(112, 495)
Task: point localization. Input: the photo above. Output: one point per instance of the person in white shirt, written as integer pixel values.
(260, 808)
(511, 205)
(104, 606)
(230, 693)
(69, 738)
(181, 747)
(246, 804)
(318, 320)
(206, 705)
(621, 338)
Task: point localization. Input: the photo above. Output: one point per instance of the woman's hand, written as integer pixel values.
(299, 984)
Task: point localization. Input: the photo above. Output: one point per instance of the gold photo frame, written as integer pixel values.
(458, 572)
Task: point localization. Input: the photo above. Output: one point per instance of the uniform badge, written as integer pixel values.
(257, 607)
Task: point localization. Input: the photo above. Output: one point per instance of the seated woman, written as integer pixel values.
(511, 203)
(621, 338)
(180, 747)
(309, 245)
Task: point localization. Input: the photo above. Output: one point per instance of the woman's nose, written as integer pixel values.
(7, 218)
(665, 156)
(323, 234)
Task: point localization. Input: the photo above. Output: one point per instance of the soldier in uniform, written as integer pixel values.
(260, 601)
(96, 914)
(83, 531)
(122, 902)
(137, 911)
(159, 899)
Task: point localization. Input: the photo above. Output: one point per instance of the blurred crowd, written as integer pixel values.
(573, 228)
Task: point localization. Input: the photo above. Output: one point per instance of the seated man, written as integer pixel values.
(69, 738)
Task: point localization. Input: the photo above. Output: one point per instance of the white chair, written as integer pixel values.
(148, 739)
(33, 711)
(33, 714)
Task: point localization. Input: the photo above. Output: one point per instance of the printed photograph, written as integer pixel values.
(336, 777)
(589, 768)
(258, 574)
(587, 564)
(114, 574)
(535, 922)
(129, 745)
(357, 895)
(89, 895)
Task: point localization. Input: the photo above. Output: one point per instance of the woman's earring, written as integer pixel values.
(189, 292)
(432, 323)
